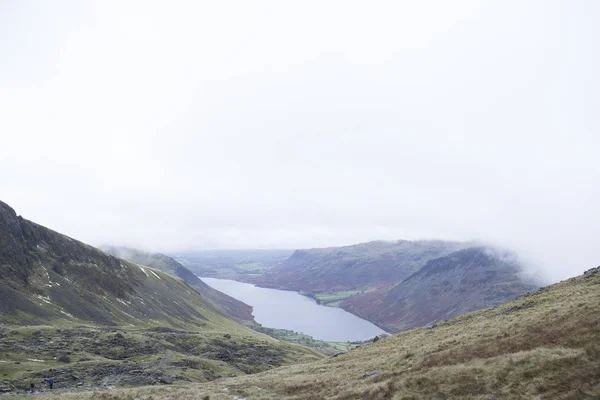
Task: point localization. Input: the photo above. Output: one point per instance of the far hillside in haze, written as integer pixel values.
(403, 284)
(355, 267)
(445, 287)
(241, 265)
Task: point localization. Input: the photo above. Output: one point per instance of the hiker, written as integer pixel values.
(32, 384)
(51, 383)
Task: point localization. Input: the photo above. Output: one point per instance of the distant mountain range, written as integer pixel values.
(402, 285)
(466, 280)
(354, 267)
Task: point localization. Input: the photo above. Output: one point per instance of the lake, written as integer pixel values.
(289, 310)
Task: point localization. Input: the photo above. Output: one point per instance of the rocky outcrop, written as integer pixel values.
(84, 357)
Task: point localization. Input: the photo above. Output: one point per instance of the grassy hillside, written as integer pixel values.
(67, 308)
(95, 357)
(46, 277)
(227, 305)
(545, 345)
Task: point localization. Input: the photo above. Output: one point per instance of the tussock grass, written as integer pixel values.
(542, 346)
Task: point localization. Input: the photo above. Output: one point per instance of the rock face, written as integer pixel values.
(45, 276)
(229, 306)
(355, 267)
(463, 281)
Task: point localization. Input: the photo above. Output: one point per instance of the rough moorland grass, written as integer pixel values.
(542, 346)
(111, 356)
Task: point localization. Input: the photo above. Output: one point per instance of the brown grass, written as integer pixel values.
(542, 346)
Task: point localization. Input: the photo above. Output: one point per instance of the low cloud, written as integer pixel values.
(172, 127)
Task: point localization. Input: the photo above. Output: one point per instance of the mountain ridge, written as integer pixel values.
(376, 263)
(229, 306)
(445, 287)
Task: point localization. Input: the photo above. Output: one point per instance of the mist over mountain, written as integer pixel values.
(403, 284)
(356, 266)
(459, 121)
(425, 168)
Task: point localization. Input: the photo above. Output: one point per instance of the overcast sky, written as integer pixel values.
(255, 124)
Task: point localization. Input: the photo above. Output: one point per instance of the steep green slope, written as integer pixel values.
(229, 306)
(545, 345)
(463, 281)
(46, 276)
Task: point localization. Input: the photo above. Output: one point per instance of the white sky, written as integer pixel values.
(255, 124)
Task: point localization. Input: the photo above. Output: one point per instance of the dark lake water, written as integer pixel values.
(289, 310)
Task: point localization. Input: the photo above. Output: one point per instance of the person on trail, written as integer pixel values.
(51, 383)
(32, 384)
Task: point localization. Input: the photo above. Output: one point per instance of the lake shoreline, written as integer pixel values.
(271, 308)
(310, 296)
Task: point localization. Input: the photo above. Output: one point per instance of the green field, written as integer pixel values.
(323, 347)
(333, 299)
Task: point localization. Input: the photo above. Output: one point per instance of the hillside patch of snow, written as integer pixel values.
(153, 273)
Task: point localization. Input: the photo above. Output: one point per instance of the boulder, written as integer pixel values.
(63, 358)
